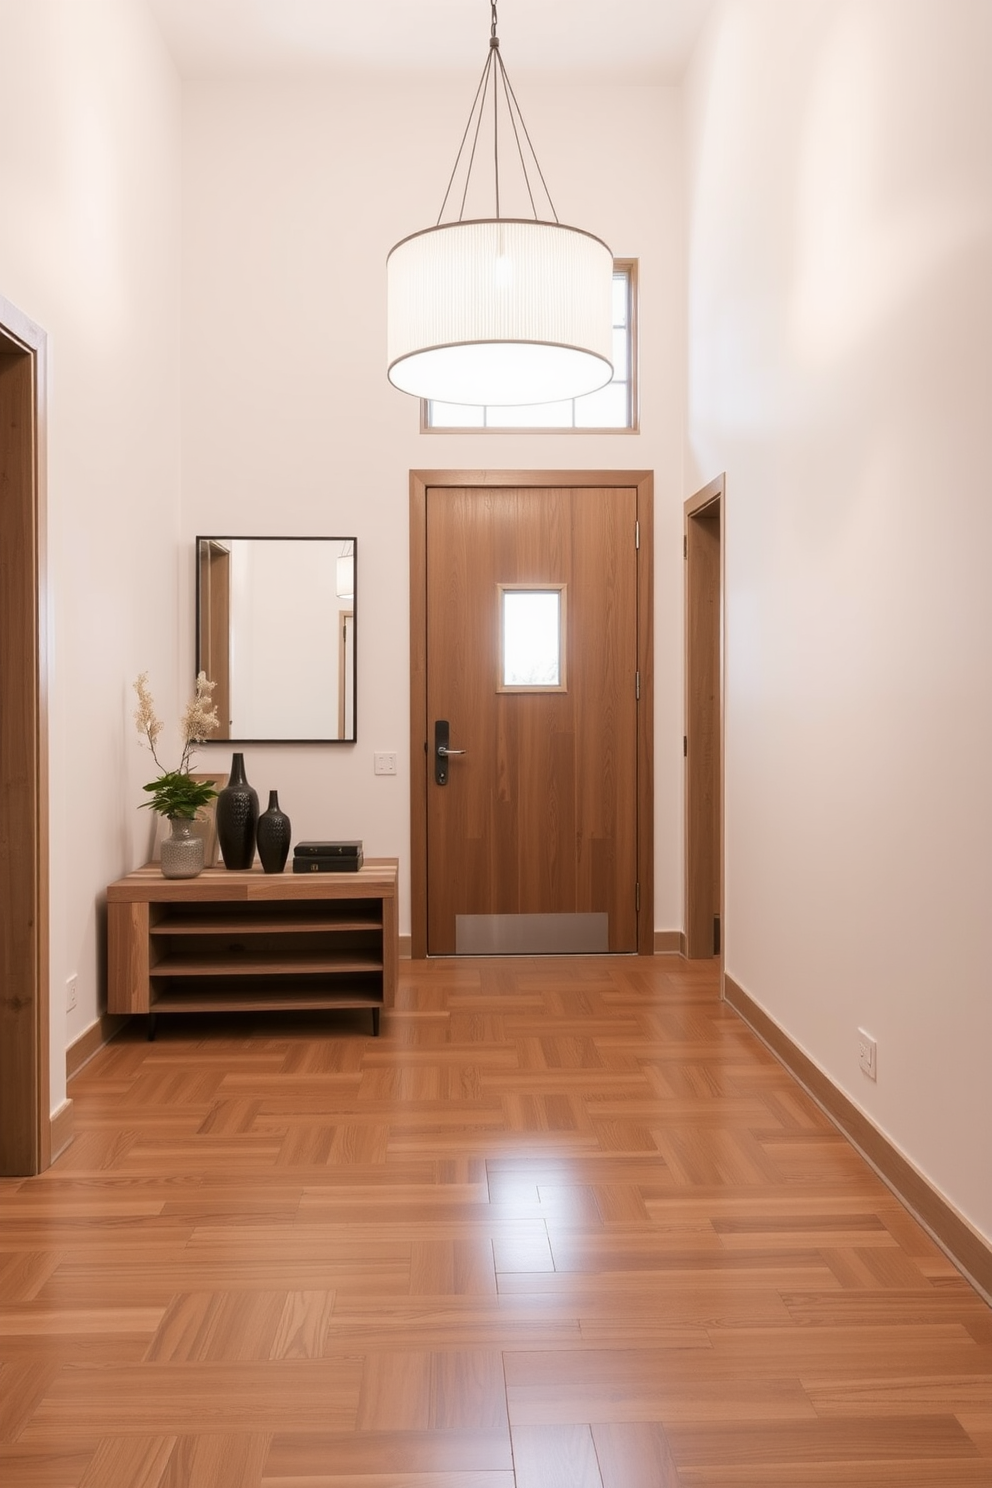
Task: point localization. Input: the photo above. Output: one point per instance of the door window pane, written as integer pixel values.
(532, 638)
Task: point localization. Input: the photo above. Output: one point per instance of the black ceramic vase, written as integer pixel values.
(272, 835)
(237, 813)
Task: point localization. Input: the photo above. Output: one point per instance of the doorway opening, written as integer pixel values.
(25, 1120)
(703, 740)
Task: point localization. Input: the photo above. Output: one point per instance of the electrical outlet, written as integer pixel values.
(868, 1054)
(71, 988)
(385, 762)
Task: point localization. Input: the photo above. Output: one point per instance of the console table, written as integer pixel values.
(243, 942)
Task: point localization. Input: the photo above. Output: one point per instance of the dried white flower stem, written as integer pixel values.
(199, 718)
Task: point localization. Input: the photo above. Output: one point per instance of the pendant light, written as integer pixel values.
(499, 310)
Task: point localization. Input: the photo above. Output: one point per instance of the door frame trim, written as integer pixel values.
(420, 481)
(700, 705)
(25, 1104)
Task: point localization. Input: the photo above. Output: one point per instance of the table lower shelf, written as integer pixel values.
(272, 964)
(288, 999)
(249, 1002)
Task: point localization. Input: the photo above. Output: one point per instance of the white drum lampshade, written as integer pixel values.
(500, 311)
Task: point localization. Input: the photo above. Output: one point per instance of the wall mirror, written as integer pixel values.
(275, 630)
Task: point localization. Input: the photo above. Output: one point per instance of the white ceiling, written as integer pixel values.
(637, 40)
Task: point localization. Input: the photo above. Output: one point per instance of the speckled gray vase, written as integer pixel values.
(181, 854)
(237, 814)
(273, 836)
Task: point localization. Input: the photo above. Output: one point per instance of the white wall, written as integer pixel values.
(89, 250)
(293, 196)
(840, 371)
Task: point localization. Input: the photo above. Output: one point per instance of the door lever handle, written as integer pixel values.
(442, 752)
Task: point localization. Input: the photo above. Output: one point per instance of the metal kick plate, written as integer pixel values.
(532, 934)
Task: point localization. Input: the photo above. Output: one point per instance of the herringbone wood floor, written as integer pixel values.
(566, 1224)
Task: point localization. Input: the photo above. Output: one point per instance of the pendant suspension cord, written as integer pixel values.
(507, 92)
(480, 90)
(508, 88)
(517, 124)
(487, 73)
(494, 48)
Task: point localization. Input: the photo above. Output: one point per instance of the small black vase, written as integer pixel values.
(237, 813)
(273, 835)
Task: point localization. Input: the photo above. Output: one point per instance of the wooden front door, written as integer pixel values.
(532, 831)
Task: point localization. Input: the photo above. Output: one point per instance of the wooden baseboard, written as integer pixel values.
(969, 1250)
(61, 1129)
(406, 947)
(669, 943)
(82, 1049)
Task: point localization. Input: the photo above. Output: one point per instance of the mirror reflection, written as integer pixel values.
(276, 632)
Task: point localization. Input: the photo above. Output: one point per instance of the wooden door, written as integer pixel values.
(532, 842)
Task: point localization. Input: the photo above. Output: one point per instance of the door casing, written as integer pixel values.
(704, 621)
(25, 1111)
(420, 482)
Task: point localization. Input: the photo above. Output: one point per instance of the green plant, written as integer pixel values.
(175, 792)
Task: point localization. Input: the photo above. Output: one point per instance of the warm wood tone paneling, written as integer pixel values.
(25, 1126)
(565, 1224)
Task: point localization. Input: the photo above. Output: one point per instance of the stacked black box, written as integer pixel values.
(327, 857)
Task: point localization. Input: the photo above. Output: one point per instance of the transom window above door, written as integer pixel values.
(611, 409)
